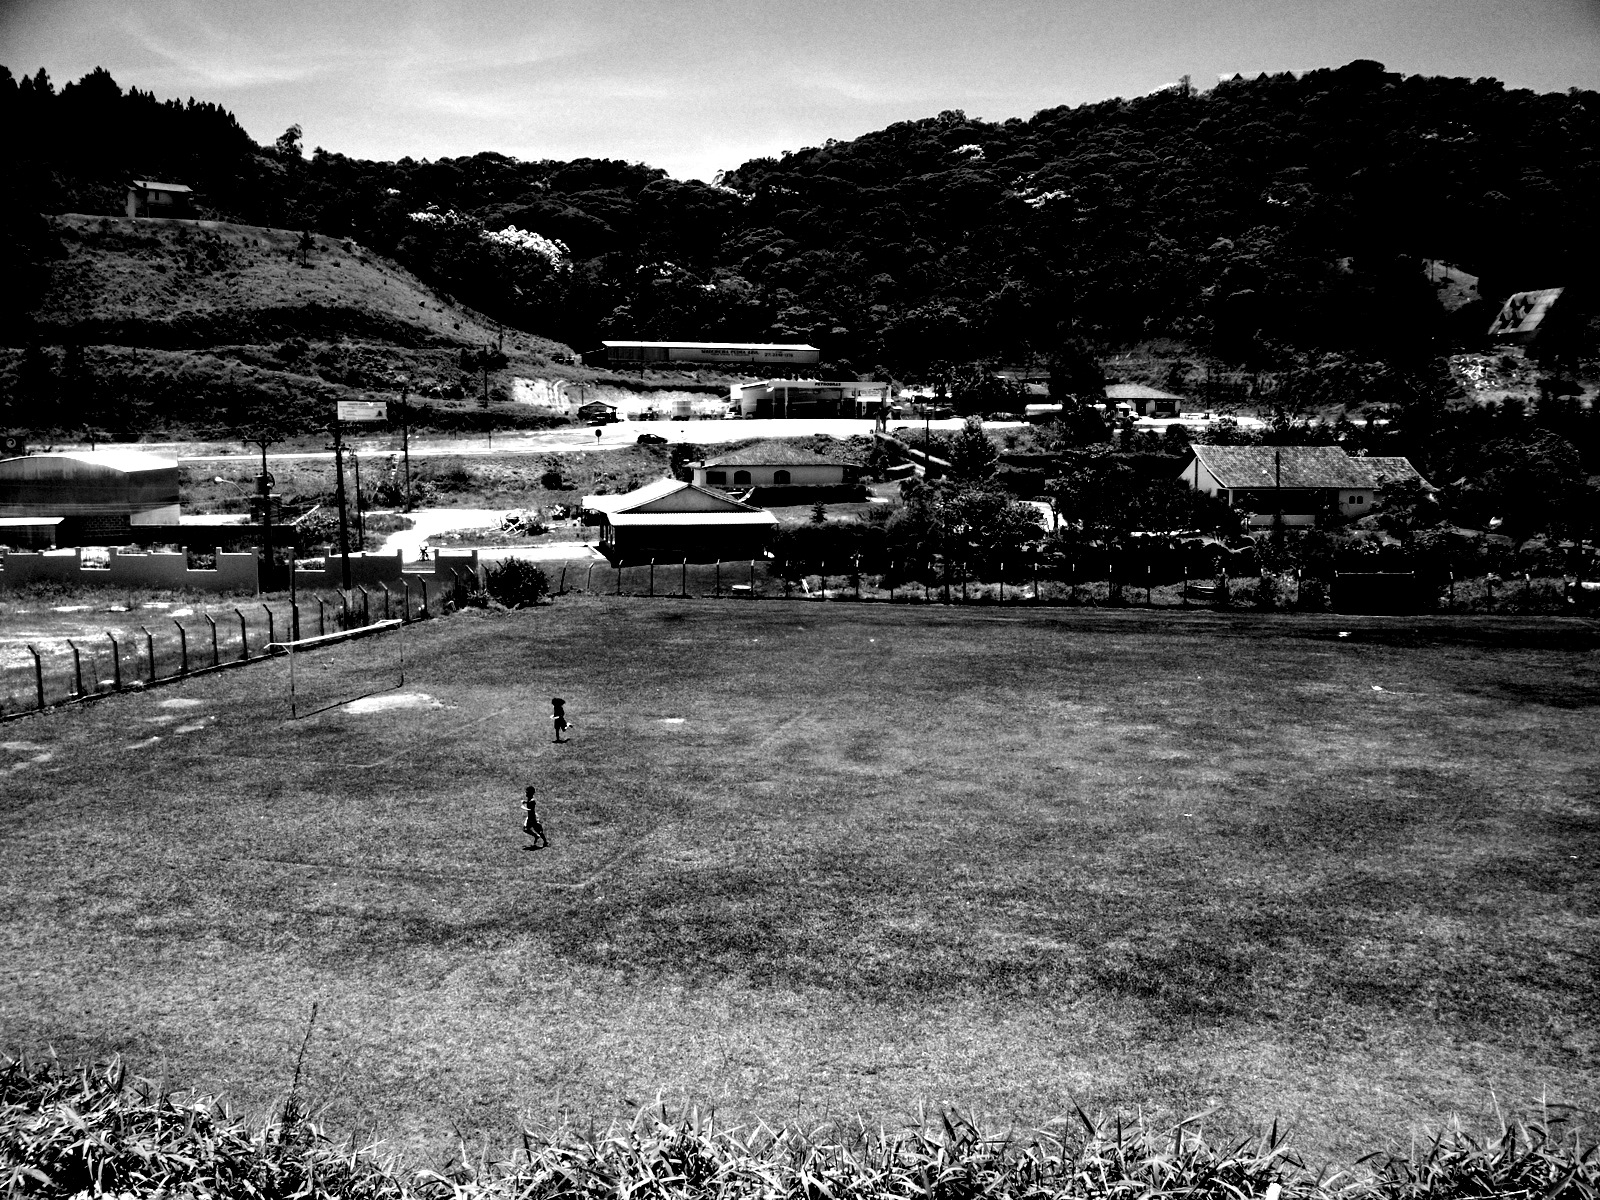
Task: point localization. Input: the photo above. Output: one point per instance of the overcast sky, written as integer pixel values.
(695, 86)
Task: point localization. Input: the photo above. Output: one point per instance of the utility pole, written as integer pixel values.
(266, 510)
(405, 438)
(1277, 485)
(361, 515)
(338, 493)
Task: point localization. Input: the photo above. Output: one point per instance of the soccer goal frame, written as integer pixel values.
(293, 649)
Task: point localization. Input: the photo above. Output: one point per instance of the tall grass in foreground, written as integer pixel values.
(93, 1131)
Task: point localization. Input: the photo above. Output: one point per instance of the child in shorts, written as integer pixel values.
(530, 822)
(558, 716)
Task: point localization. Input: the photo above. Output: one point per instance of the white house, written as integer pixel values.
(1300, 482)
(672, 520)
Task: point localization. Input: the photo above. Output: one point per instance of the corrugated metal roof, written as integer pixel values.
(1137, 391)
(1288, 466)
(1522, 313)
(705, 520)
(622, 500)
(709, 501)
(26, 522)
(150, 185)
(128, 462)
(773, 454)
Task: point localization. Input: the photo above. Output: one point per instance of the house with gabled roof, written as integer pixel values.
(671, 520)
(148, 198)
(1389, 470)
(1300, 482)
(772, 464)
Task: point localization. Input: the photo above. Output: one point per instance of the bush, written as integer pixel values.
(517, 583)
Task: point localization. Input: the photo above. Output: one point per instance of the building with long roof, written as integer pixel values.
(671, 520)
(101, 496)
(1302, 483)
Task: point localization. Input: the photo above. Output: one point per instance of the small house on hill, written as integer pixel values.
(1523, 315)
(597, 412)
(670, 520)
(1145, 401)
(1300, 482)
(147, 198)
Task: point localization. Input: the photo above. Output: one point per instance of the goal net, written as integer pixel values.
(325, 672)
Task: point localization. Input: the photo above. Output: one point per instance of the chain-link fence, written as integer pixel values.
(146, 649)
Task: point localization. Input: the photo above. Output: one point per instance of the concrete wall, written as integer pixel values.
(369, 570)
(233, 572)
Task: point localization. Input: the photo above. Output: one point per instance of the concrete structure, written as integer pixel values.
(147, 198)
(772, 464)
(165, 572)
(636, 354)
(101, 495)
(809, 398)
(670, 520)
(1300, 482)
(1144, 401)
(369, 570)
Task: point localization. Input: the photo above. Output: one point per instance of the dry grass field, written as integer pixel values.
(815, 860)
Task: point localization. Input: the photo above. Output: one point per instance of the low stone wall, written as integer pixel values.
(233, 572)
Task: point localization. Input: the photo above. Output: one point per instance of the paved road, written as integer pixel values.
(428, 523)
(572, 440)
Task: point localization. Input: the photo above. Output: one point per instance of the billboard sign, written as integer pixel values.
(363, 410)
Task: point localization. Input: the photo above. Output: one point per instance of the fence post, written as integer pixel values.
(1297, 582)
(366, 605)
(344, 605)
(619, 577)
(322, 619)
(1185, 585)
(150, 652)
(1072, 576)
(272, 634)
(683, 577)
(1225, 599)
(388, 601)
(1452, 587)
(423, 611)
(716, 584)
(183, 647)
(587, 590)
(1033, 567)
(652, 575)
(857, 565)
(38, 676)
(1488, 581)
(116, 662)
(822, 579)
(405, 600)
(563, 588)
(216, 654)
(244, 638)
(1147, 585)
(1527, 588)
(77, 668)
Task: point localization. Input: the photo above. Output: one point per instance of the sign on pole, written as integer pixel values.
(363, 410)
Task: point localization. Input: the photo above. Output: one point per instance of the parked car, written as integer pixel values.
(651, 439)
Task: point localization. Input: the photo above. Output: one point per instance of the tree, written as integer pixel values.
(973, 457)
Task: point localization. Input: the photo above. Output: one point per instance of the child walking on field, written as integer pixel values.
(558, 716)
(530, 822)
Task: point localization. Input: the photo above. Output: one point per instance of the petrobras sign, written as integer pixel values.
(363, 410)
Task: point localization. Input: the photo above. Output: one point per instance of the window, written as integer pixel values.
(780, 477)
(741, 476)
(716, 477)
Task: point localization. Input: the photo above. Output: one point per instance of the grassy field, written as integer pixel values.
(807, 863)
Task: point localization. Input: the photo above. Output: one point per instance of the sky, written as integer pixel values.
(698, 86)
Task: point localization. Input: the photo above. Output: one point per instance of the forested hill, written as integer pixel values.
(1259, 220)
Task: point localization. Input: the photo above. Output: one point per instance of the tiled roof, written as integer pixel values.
(773, 454)
(1387, 470)
(1522, 313)
(1286, 466)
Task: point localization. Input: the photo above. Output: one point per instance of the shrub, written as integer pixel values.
(517, 583)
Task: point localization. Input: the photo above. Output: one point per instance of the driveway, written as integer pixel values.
(430, 522)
